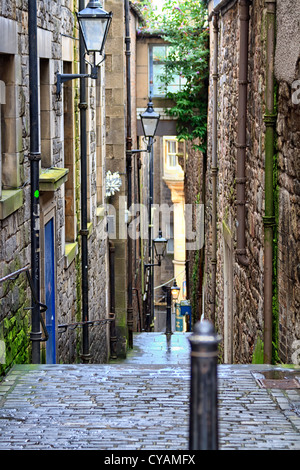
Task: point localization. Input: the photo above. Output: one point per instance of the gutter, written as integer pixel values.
(242, 129)
(269, 218)
(214, 167)
(129, 175)
(83, 187)
(35, 158)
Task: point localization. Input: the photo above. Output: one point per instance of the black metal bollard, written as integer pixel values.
(203, 400)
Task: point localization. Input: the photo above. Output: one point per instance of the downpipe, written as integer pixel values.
(85, 356)
(129, 176)
(269, 218)
(242, 126)
(35, 158)
(214, 169)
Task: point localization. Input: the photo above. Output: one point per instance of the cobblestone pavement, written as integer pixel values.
(141, 403)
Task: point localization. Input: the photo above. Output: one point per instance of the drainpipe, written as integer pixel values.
(214, 168)
(269, 219)
(35, 158)
(84, 230)
(242, 123)
(150, 316)
(129, 175)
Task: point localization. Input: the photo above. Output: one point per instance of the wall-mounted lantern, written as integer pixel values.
(94, 23)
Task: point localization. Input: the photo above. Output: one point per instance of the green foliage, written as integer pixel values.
(275, 303)
(258, 354)
(195, 286)
(183, 25)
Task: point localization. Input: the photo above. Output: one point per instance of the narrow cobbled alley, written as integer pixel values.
(142, 403)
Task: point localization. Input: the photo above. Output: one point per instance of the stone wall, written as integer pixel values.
(240, 289)
(287, 73)
(195, 174)
(115, 67)
(239, 295)
(54, 49)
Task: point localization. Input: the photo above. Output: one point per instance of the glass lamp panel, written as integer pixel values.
(175, 292)
(160, 245)
(93, 31)
(149, 126)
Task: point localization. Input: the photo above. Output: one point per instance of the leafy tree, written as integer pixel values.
(183, 25)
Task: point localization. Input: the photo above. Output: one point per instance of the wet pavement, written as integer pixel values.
(142, 403)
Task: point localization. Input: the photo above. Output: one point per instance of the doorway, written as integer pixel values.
(228, 298)
(49, 286)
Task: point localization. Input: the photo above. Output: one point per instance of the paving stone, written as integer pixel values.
(140, 403)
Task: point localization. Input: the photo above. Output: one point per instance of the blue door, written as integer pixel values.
(50, 291)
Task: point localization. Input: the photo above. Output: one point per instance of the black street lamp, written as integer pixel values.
(150, 120)
(160, 245)
(175, 291)
(94, 23)
(172, 292)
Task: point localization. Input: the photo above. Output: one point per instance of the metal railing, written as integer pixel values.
(12, 277)
(80, 324)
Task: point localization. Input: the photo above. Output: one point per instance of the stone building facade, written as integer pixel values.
(239, 302)
(59, 187)
(121, 125)
(168, 182)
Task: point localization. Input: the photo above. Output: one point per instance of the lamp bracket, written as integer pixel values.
(65, 77)
(130, 152)
(146, 266)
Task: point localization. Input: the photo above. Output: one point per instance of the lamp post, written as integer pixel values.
(149, 120)
(158, 246)
(94, 23)
(172, 292)
(175, 290)
(34, 157)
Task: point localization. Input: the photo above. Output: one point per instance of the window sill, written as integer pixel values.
(52, 178)
(11, 201)
(71, 250)
(90, 228)
(100, 212)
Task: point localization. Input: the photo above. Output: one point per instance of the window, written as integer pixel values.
(158, 55)
(45, 114)
(170, 236)
(69, 155)
(173, 154)
(11, 125)
(12, 114)
(100, 140)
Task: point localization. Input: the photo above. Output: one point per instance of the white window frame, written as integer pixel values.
(178, 80)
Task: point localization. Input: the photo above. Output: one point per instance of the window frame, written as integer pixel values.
(161, 94)
(175, 170)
